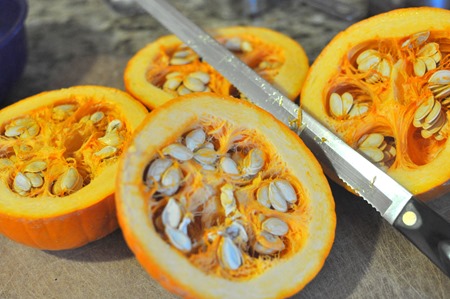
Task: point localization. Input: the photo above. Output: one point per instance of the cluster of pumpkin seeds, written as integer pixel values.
(218, 195)
(184, 72)
(412, 72)
(55, 151)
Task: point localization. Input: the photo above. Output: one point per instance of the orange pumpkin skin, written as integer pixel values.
(276, 57)
(390, 91)
(56, 222)
(303, 258)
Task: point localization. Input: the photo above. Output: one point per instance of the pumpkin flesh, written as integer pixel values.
(202, 267)
(373, 85)
(160, 71)
(57, 190)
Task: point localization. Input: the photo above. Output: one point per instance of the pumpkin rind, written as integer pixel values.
(288, 77)
(394, 93)
(168, 265)
(64, 222)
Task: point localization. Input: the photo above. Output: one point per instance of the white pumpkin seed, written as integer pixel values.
(106, 152)
(275, 226)
(262, 196)
(171, 214)
(227, 198)
(22, 182)
(156, 169)
(178, 151)
(35, 166)
(253, 162)
(97, 116)
(195, 139)
(228, 165)
(178, 239)
(229, 254)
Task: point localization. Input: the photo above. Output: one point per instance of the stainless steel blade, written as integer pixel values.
(336, 157)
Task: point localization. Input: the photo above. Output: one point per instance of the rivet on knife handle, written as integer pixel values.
(427, 230)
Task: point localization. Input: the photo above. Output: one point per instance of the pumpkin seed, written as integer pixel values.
(227, 199)
(206, 156)
(172, 83)
(115, 124)
(35, 166)
(441, 77)
(275, 226)
(178, 239)
(237, 232)
(183, 90)
(171, 214)
(171, 180)
(262, 196)
(97, 116)
(266, 243)
(106, 152)
(111, 138)
(36, 179)
(156, 170)
(178, 151)
(184, 224)
(193, 84)
(229, 254)
(253, 162)
(61, 112)
(371, 140)
(228, 165)
(70, 180)
(195, 139)
(202, 76)
(21, 183)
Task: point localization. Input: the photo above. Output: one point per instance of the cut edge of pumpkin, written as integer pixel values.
(161, 261)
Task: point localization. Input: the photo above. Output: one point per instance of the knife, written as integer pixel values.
(425, 228)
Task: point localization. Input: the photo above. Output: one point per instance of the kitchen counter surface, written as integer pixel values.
(75, 42)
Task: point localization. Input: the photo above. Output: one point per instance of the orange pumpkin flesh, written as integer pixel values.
(376, 83)
(43, 203)
(276, 57)
(187, 234)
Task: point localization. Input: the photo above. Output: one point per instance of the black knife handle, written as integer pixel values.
(427, 230)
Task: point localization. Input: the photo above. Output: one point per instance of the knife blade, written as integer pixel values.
(426, 229)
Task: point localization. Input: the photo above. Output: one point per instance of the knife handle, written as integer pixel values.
(427, 230)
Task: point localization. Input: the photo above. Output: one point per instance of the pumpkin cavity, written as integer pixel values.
(400, 83)
(178, 70)
(56, 150)
(221, 196)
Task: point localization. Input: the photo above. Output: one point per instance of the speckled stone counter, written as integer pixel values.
(73, 42)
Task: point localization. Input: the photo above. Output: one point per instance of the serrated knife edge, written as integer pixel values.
(426, 229)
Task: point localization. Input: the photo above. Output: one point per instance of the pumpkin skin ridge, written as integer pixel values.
(152, 262)
(295, 65)
(89, 213)
(402, 24)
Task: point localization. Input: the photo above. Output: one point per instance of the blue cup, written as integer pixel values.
(13, 43)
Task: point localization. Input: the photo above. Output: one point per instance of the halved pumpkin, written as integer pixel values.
(224, 201)
(58, 161)
(384, 86)
(167, 68)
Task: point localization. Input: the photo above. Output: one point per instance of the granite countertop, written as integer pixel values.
(74, 42)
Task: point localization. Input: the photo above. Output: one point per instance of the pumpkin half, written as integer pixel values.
(383, 85)
(224, 201)
(58, 159)
(167, 68)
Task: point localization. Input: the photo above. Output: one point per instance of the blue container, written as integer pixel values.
(13, 43)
